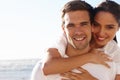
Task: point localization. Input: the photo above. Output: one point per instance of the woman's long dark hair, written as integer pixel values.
(115, 39)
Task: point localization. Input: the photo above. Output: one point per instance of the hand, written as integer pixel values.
(99, 57)
(85, 75)
(117, 77)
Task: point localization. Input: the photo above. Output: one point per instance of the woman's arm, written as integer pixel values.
(56, 64)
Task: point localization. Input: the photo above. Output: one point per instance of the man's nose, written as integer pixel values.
(78, 30)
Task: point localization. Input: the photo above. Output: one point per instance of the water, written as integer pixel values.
(16, 69)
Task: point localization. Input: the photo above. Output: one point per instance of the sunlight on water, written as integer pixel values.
(16, 69)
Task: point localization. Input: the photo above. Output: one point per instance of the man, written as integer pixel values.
(77, 19)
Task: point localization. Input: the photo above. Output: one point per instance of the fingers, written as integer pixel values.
(105, 58)
(101, 54)
(105, 64)
(67, 74)
(81, 69)
(64, 79)
(101, 58)
(71, 76)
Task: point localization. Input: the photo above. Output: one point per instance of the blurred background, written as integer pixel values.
(27, 28)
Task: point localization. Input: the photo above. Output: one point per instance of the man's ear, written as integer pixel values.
(62, 27)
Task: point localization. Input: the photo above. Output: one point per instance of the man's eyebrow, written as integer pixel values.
(70, 23)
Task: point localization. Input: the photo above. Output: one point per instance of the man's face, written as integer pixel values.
(77, 28)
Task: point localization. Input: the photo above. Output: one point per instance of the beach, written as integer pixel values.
(16, 69)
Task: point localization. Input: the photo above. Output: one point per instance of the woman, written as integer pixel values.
(106, 24)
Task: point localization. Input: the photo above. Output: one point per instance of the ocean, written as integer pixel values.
(16, 69)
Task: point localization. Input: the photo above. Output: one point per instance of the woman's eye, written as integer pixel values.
(84, 24)
(110, 27)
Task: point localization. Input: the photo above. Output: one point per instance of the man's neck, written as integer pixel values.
(71, 51)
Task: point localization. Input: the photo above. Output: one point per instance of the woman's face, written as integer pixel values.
(104, 28)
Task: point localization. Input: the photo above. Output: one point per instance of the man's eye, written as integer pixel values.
(83, 24)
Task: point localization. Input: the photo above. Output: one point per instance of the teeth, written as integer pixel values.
(79, 39)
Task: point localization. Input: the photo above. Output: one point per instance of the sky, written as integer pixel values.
(28, 27)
